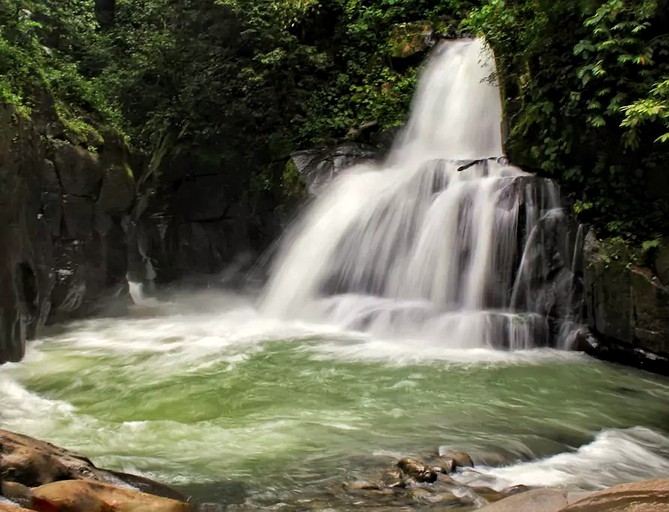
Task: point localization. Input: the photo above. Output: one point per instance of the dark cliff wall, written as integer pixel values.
(62, 242)
(626, 302)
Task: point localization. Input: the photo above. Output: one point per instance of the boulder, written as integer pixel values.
(4, 507)
(454, 459)
(646, 496)
(417, 470)
(30, 462)
(544, 500)
(627, 305)
(89, 496)
(27, 462)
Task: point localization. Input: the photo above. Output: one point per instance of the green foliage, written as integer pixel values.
(653, 109)
(227, 79)
(49, 53)
(586, 102)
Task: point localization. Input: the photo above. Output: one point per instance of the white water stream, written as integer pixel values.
(376, 338)
(439, 242)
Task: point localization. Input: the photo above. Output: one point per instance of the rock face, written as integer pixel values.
(627, 305)
(44, 477)
(61, 228)
(194, 218)
(648, 496)
(317, 167)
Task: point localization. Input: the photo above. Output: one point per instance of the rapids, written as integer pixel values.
(210, 396)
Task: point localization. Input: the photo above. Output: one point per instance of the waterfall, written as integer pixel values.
(445, 241)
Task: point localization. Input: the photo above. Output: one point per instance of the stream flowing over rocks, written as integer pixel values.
(425, 299)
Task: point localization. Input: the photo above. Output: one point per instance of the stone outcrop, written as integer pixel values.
(646, 496)
(62, 207)
(318, 167)
(195, 217)
(43, 477)
(626, 304)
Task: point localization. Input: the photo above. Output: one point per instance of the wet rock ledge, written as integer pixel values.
(38, 476)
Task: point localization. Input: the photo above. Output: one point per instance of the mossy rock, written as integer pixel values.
(409, 39)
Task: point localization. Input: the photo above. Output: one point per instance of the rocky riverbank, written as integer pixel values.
(36, 475)
(39, 476)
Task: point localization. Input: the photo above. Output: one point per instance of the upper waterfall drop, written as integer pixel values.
(456, 111)
(444, 242)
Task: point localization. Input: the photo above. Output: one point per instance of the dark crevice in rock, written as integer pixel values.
(28, 287)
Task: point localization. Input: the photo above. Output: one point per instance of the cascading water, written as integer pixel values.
(444, 242)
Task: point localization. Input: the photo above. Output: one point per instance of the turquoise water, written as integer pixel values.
(209, 396)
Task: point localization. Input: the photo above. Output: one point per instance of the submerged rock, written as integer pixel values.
(361, 485)
(454, 459)
(417, 470)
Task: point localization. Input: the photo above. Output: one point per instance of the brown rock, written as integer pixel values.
(446, 465)
(393, 477)
(460, 459)
(361, 485)
(488, 494)
(417, 470)
(32, 463)
(515, 489)
(12, 508)
(89, 496)
(25, 461)
(17, 493)
(647, 496)
(539, 500)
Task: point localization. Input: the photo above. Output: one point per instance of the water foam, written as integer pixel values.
(431, 244)
(615, 456)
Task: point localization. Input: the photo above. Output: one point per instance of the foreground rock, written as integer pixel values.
(85, 495)
(647, 496)
(12, 508)
(43, 477)
(544, 500)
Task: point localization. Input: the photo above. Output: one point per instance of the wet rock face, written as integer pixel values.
(317, 167)
(63, 244)
(627, 306)
(41, 476)
(193, 219)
